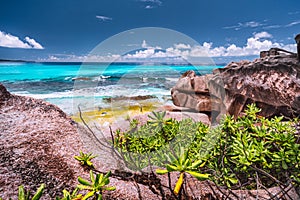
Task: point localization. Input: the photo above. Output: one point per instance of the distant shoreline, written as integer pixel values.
(108, 63)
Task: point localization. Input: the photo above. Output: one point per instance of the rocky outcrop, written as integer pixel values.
(37, 145)
(272, 82)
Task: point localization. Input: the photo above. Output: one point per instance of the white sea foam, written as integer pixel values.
(89, 98)
(172, 79)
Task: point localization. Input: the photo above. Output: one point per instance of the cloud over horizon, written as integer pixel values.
(258, 42)
(11, 41)
(178, 52)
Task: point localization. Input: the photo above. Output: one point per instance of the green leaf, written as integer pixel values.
(21, 195)
(233, 180)
(89, 163)
(84, 187)
(66, 193)
(107, 175)
(81, 153)
(171, 168)
(92, 176)
(39, 192)
(197, 164)
(99, 197)
(110, 188)
(276, 156)
(84, 182)
(161, 171)
(198, 175)
(74, 193)
(106, 181)
(186, 163)
(284, 165)
(100, 179)
(88, 195)
(78, 158)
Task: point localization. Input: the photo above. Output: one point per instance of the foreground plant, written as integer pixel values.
(85, 159)
(144, 145)
(183, 165)
(95, 186)
(70, 196)
(255, 150)
(158, 119)
(23, 195)
(245, 152)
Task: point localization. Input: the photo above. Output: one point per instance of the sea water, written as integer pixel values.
(67, 84)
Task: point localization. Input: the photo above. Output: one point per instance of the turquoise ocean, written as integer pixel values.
(62, 83)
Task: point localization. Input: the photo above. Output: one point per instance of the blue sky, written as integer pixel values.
(68, 30)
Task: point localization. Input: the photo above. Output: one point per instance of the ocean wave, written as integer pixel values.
(89, 99)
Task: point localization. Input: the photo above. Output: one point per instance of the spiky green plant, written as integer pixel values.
(183, 165)
(85, 159)
(70, 196)
(158, 119)
(95, 186)
(23, 195)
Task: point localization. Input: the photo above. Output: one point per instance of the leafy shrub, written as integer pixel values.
(239, 153)
(253, 149)
(155, 141)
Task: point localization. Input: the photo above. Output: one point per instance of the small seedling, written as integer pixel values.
(23, 195)
(85, 159)
(95, 186)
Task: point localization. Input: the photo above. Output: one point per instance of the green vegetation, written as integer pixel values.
(183, 165)
(96, 186)
(25, 195)
(247, 152)
(85, 159)
(253, 149)
(70, 196)
(242, 153)
(155, 140)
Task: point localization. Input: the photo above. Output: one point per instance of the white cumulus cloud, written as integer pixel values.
(11, 41)
(256, 43)
(182, 46)
(263, 34)
(33, 43)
